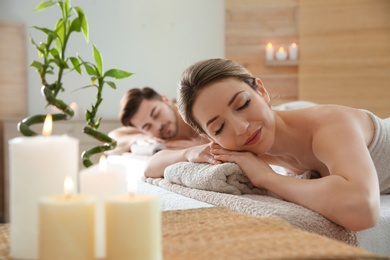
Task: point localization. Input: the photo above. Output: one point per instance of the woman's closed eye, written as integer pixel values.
(246, 104)
(219, 130)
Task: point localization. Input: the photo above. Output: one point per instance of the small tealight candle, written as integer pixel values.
(66, 226)
(281, 54)
(133, 227)
(269, 52)
(101, 181)
(38, 166)
(293, 51)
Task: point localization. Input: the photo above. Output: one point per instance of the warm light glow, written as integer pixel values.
(293, 45)
(103, 165)
(269, 45)
(68, 186)
(281, 49)
(47, 125)
(73, 106)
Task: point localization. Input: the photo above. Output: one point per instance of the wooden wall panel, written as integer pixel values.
(345, 53)
(249, 26)
(13, 71)
(13, 86)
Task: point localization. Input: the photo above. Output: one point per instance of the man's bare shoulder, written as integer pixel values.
(123, 131)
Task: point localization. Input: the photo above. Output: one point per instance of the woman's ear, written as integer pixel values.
(263, 92)
(166, 99)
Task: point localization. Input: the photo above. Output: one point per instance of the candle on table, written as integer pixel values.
(269, 52)
(38, 166)
(66, 226)
(293, 51)
(133, 227)
(281, 54)
(102, 181)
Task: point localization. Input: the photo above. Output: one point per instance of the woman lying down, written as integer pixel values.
(349, 148)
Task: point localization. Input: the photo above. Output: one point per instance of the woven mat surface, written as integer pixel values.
(220, 233)
(4, 242)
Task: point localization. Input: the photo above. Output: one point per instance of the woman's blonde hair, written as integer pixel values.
(202, 73)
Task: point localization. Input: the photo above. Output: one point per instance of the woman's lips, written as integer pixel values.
(254, 138)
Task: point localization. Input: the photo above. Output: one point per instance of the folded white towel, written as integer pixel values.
(224, 178)
(146, 148)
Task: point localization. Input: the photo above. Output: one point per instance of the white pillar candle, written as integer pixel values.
(38, 166)
(269, 52)
(66, 227)
(133, 227)
(281, 54)
(102, 181)
(293, 51)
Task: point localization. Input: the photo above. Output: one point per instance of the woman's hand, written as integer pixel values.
(200, 154)
(253, 167)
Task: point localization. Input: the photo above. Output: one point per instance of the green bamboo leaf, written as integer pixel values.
(55, 53)
(60, 32)
(47, 31)
(88, 115)
(75, 26)
(90, 69)
(56, 61)
(83, 21)
(43, 5)
(111, 84)
(63, 63)
(118, 74)
(98, 121)
(36, 64)
(76, 64)
(98, 59)
(40, 50)
(67, 7)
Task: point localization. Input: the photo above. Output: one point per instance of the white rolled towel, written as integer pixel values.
(224, 178)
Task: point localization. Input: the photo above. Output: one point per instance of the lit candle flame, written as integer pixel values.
(68, 186)
(103, 163)
(47, 125)
(269, 45)
(73, 106)
(281, 49)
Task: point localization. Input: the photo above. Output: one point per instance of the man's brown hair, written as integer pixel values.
(131, 102)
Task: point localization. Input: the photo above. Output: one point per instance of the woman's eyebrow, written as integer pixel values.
(211, 120)
(234, 97)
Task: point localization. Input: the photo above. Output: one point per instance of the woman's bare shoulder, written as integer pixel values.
(330, 118)
(338, 120)
(330, 113)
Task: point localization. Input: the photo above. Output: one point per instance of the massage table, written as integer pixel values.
(178, 197)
